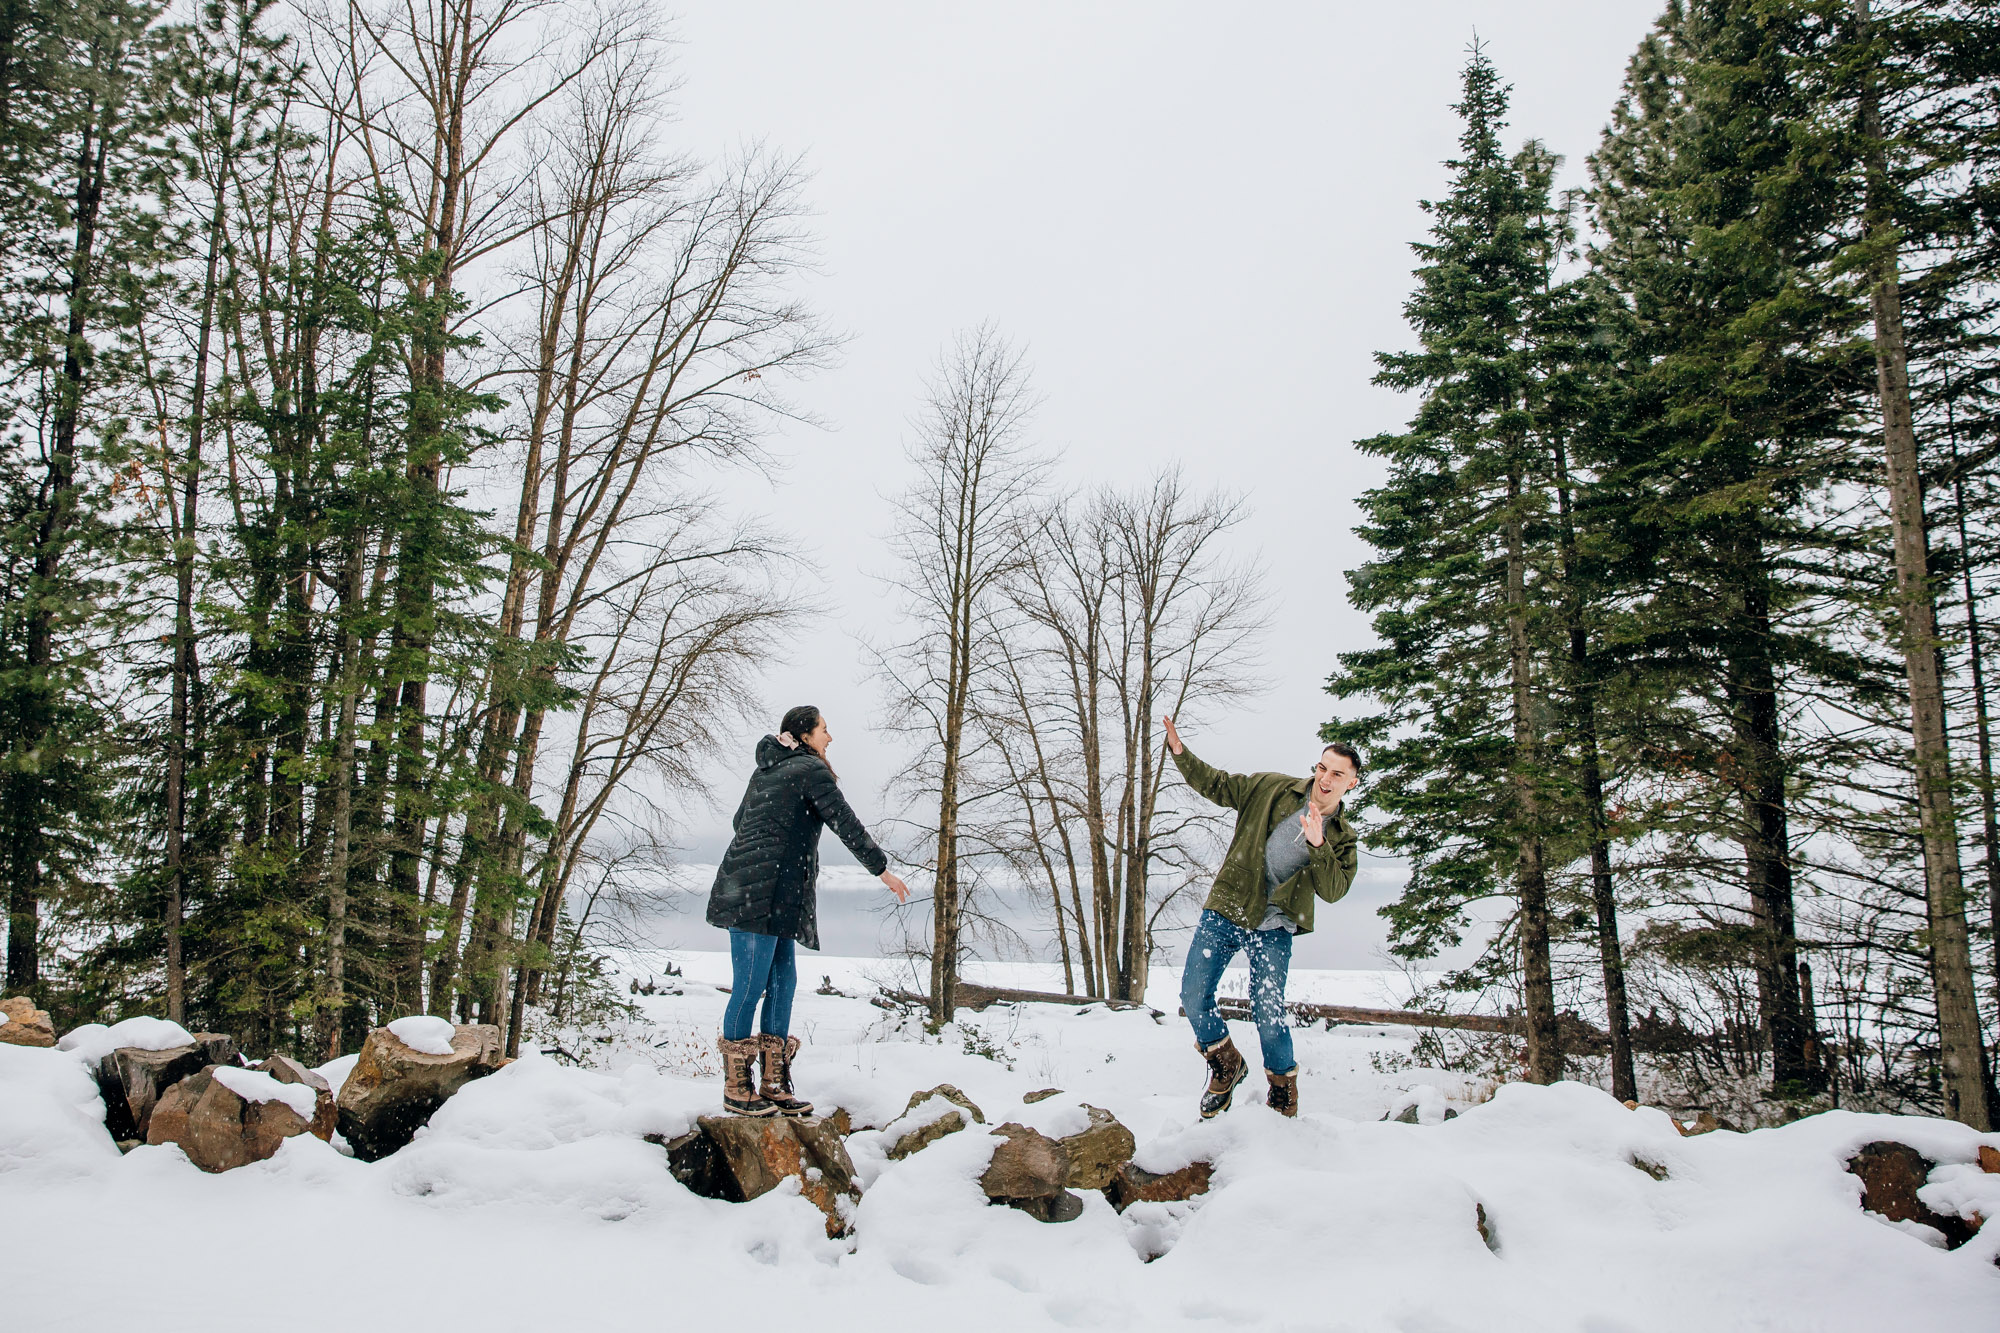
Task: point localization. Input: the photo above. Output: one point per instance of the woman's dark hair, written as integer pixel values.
(800, 722)
(1347, 752)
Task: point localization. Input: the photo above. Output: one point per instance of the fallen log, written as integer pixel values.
(1578, 1036)
(976, 998)
(1348, 1013)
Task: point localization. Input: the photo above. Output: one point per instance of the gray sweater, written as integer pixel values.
(1285, 854)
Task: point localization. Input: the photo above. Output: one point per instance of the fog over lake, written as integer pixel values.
(858, 919)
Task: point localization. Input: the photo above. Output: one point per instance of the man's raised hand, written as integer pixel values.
(1173, 735)
(1313, 825)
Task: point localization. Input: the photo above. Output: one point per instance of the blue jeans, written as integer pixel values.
(761, 967)
(1216, 941)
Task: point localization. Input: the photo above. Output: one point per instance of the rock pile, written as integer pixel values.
(198, 1094)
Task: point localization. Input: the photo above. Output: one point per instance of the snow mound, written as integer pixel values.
(1535, 1208)
(51, 1122)
(94, 1041)
(253, 1086)
(423, 1032)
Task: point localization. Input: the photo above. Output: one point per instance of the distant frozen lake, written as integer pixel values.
(857, 919)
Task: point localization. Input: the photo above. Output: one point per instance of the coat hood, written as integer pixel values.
(771, 752)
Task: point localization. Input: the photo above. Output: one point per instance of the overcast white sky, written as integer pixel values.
(1194, 218)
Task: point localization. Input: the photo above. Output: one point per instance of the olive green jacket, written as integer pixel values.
(1260, 801)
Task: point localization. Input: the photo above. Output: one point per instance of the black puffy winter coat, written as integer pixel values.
(766, 881)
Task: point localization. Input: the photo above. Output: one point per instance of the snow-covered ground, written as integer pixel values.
(533, 1202)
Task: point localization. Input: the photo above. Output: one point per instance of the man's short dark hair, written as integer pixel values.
(1347, 752)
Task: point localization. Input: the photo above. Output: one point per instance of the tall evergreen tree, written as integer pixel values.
(80, 258)
(1464, 548)
(1736, 377)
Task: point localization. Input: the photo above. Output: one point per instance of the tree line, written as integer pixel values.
(360, 365)
(1679, 570)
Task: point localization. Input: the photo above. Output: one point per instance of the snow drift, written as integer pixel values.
(533, 1200)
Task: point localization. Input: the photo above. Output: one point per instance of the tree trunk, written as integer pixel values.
(1961, 1043)
(1766, 835)
(1538, 995)
(179, 741)
(1617, 1015)
(1981, 718)
(341, 834)
(26, 790)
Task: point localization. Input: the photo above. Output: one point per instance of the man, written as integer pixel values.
(1292, 844)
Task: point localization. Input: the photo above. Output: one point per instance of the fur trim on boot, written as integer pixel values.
(739, 1097)
(1283, 1096)
(777, 1085)
(1226, 1069)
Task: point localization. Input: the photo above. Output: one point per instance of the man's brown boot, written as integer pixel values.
(1284, 1094)
(1226, 1069)
(739, 1097)
(777, 1085)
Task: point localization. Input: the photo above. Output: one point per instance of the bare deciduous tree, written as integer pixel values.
(1121, 607)
(956, 542)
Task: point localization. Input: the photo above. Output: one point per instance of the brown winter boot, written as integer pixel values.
(777, 1087)
(1284, 1094)
(1226, 1069)
(739, 1097)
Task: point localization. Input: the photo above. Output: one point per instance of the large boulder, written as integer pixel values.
(1030, 1171)
(739, 1158)
(224, 1117)
(1096, 1153)
(21, 1024)
(1891, 1174)
(1133, 1184)
(132, 1081)
(326, 1115)
(395, 1087)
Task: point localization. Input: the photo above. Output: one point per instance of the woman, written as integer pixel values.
(764, 897)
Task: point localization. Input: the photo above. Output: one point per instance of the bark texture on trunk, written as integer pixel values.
(1961, 1042)
(1538, 996)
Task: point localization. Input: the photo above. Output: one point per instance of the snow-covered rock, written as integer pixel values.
(424, 1032)
(395, 1087)
(132, 1080)
(324, 1115)
(224, 1118)
(94, 1041)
